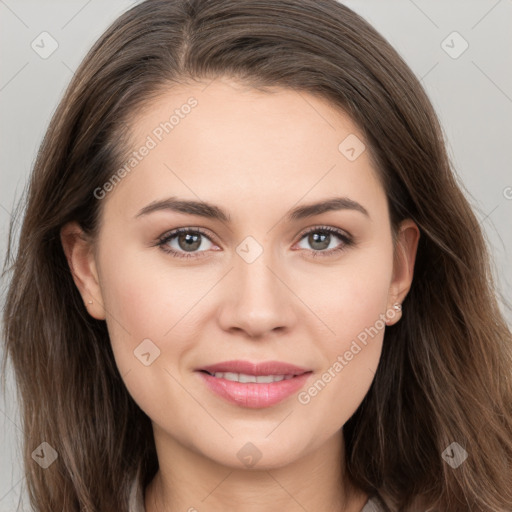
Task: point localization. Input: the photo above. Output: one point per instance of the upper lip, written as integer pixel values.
(250, 368)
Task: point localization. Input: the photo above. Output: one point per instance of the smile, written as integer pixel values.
(253, 391)
(246, 378)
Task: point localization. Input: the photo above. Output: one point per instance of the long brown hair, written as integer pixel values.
(445, 369)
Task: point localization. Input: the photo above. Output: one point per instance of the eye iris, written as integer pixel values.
(315, 237)
(192, 241)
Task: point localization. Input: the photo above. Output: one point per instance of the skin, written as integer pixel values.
(256, 155)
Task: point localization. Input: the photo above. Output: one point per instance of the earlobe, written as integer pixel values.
(80, 257)
(403, 265)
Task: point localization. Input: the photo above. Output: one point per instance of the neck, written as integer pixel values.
(188, 481)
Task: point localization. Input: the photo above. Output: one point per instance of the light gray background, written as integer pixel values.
(472, 95)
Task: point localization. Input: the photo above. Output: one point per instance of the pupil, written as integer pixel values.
(324, 240)
(192, 241)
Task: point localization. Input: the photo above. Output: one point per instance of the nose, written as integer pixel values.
(258, 298)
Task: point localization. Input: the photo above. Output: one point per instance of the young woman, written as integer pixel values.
(247, 279)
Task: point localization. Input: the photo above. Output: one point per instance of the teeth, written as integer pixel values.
(244, 378)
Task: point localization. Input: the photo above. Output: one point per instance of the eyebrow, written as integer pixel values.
(211, 211)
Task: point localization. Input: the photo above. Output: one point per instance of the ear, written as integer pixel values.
(81, 260)
(403, 265)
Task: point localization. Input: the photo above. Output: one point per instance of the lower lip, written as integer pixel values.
(254, 395)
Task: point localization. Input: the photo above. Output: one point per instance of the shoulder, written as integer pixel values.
(373, 505)
(137, 500)
(137, 496)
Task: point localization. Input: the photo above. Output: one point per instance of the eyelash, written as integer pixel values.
(167, 237)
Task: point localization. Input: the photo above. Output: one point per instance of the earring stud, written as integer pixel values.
(398, 306)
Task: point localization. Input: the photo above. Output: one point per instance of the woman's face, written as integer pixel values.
(262, 281)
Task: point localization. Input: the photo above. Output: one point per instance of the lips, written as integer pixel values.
(254, 385)
(249, 368)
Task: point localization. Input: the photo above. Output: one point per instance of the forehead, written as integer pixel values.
(226, 142)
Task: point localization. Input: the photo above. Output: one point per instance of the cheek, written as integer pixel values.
(151, 309)
(147, 300)
(145, 309)
(350, 361)
(351, 296)
(353, 304)
(159, 302)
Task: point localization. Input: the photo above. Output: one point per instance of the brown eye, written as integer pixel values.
(189, 241)
(185, 242)
(322, 241)
(319, 241)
